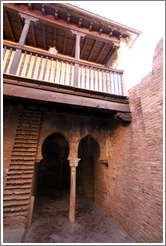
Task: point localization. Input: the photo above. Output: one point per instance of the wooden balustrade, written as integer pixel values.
(47, 67)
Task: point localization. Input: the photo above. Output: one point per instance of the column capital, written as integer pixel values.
(28, 18)
(73, 162)
(78, 33)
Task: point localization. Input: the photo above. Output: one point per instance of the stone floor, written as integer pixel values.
(50, 223)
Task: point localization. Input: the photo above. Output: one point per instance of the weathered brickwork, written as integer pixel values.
(131, 191)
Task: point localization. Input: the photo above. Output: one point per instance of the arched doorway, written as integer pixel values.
(53, 169)
(88, 152)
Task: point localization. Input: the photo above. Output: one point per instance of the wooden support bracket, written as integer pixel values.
(123, 118)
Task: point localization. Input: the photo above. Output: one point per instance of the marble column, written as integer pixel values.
(73, 164)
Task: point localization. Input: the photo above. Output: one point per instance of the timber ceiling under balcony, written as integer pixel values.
(55, 22)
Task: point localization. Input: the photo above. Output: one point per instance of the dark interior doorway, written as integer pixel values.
(88, 152)
(53, 170)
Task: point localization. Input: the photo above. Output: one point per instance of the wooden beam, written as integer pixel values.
(80, 22)
(100, 53)
(30, 6)
(21, 24)
(65, 41)
(68, 18)
(9, 26)
(82, 52)
(92, 50)
(47, 94)
(54, 41)
(50, 21)
(120, 36)
(91, 26)
(43, 9)
(123, 118)
(100, 30)
(33, 34)
(56, 14)
(73, 49)
(113, 57)
(110, 33)
(44, 36)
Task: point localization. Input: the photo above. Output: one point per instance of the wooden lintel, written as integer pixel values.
(92, 50)
(54, 22)
(9, 26)
(101, 51)
(44, 36)
(65, 41)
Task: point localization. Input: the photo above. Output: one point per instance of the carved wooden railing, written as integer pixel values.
(44, 66)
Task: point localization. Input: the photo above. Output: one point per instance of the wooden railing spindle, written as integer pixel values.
(34, 66)
(45, 68)
(102, 76)
(65, 77)
(81, 77)
(110, 80)
(70, 77)
(56, 68)
(94, 70)
(85, 77)
(60, 76)
(50, 73)
(29, 62)
(4, 52)
(8, 60)
(41, 59)
(98, 73)
(89, 77)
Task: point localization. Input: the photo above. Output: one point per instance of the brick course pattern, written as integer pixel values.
(132, 183)
(18, 178)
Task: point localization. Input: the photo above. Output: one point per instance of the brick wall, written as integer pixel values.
(10, 116)
(132, 191)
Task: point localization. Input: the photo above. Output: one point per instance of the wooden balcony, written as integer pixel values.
(43, 66)
(80, 74)
(45, 77)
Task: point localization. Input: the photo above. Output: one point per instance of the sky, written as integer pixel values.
(145, 16)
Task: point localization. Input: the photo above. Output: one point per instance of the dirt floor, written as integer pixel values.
(50, 222)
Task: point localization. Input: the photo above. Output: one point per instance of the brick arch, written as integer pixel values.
(100, 139)
(94, 138)
(44, 137)
(50, 138)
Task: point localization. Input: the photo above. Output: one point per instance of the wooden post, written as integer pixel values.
(17, 55)
(77, 55)
(73, 164)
